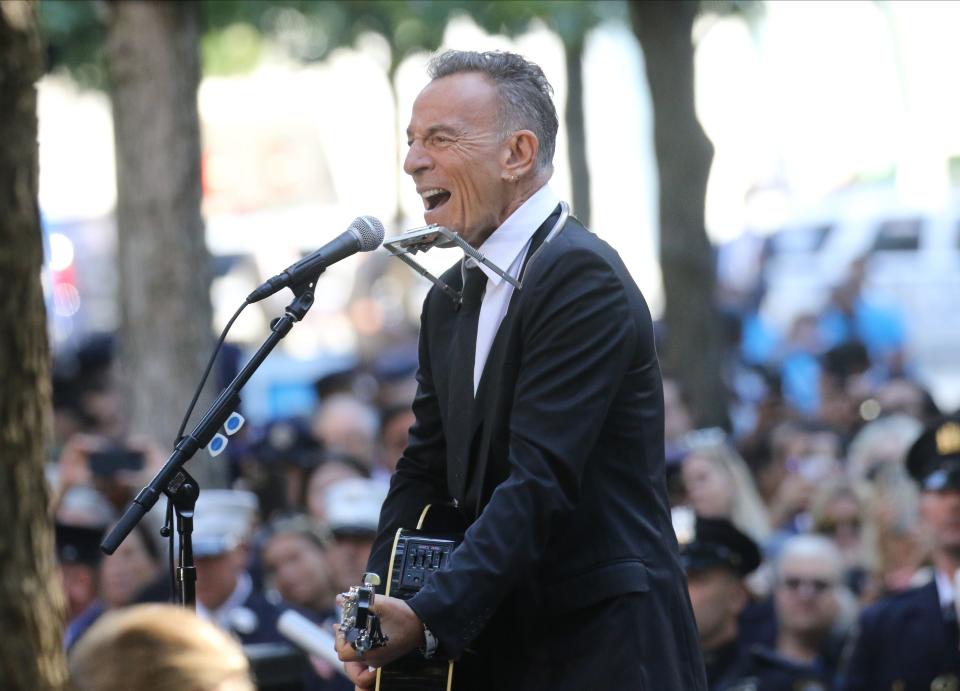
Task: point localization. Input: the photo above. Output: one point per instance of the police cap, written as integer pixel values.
(717, 543)
(934, 459)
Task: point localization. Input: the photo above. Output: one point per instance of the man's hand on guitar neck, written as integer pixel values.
(404, 632)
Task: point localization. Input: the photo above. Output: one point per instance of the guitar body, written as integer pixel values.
(416, 554)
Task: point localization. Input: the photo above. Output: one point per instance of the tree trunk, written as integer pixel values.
(576, 133)
(165, 312)
(31, 597)
(693, 352)
(399, 125)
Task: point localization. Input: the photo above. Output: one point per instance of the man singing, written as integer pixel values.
(539, 413)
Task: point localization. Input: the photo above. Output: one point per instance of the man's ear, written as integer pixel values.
(520, 154)
(241, 556)
(739, 598)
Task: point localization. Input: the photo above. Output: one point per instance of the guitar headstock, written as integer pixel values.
(358, 623)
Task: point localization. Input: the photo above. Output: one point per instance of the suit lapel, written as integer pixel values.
(494, 358)
(488, 390)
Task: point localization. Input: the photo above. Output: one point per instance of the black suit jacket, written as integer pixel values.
(563, 479)
(904, 643)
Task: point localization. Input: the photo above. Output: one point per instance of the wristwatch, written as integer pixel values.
(430, 644)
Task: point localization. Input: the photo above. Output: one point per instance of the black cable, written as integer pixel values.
(206, 372)
(174, 591)
(177, 599)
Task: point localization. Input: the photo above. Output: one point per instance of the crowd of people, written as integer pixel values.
(292, 531)
(821, 535)
(806, 533)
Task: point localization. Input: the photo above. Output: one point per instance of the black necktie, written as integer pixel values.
(474, 281)
(463, 352)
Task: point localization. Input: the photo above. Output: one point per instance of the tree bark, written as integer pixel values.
(164, 267)
(31, 597)
(576, 131)
(693, 352)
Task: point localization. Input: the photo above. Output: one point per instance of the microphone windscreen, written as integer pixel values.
(369, 230)
(306, 635)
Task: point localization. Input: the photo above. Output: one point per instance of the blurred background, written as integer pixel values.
(831, 127)
(782, 179)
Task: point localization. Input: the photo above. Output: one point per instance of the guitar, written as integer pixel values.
(415, 555)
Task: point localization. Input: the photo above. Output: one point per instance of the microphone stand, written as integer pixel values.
(184, 500)
(173, 481)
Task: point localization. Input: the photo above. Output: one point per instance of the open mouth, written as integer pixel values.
(434, 198)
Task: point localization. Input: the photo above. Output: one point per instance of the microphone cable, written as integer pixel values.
(168, 530)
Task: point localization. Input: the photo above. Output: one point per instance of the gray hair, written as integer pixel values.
(805, 546)
(525, 94)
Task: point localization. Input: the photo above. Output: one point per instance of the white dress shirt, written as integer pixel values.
(947, 588)
(506, 248)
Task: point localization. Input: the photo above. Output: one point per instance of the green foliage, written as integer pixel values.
(238, 29)
(236, 32)
(408, 25)
(571, 20)
(75, 33)
(232, 49)
(310, 31)
(750, 10)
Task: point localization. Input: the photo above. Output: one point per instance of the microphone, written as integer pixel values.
(363, 235)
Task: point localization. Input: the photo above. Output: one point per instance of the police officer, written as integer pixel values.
(78, 559)
(226, 595)
(806, 597)
(909, 641)
(763, 669)
(717, 557)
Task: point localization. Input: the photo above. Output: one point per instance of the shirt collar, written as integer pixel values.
(507, 242)
(946, 587)
(240, 593)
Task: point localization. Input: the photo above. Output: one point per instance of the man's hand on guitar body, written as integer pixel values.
(404, 632)
(361, 675)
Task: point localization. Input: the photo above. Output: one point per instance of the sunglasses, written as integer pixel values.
(833, 527)
(815, 585)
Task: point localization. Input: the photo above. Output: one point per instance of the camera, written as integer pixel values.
(109, 462)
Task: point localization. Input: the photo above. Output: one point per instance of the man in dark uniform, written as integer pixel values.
(909, 641)
(78, 558)
(807, 601)
(717, 557)
(226, 594)
(762, 669)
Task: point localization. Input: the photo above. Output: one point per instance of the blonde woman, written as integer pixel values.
(719, 485)
(157, 648)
